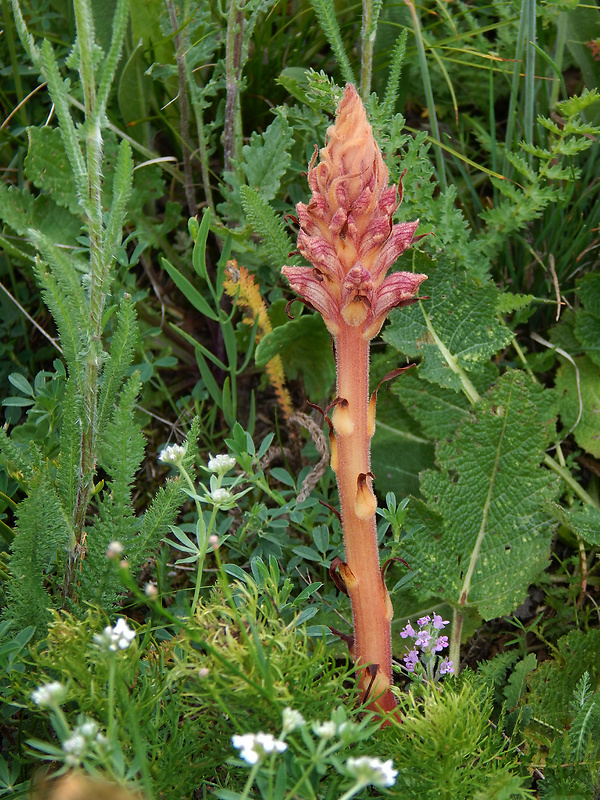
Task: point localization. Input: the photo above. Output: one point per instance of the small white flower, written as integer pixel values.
(254, 746)
(150, 590)
(373, 771)
(173, 454)
(48, 695)
(324, 730)
(117, 638)
(114, 549)
(220, 496)
(221, 464)
(75, 747)
(291, 719)
(89, 728)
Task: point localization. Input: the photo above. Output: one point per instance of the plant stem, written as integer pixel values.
(184, 109)
(367, 46)
(233, 60)
(371, 609)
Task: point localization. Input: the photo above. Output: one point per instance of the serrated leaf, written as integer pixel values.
(266, 158)
(587, 322)
(517, 683)
(587, 429)
(553, 682)
(439, 411)
(47, 167)
(269, 226)
(487, 532)
(304, 345)
(455, 330)
(507, 302)
(584, 522)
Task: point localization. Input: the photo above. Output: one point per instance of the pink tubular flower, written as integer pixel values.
(347, 232)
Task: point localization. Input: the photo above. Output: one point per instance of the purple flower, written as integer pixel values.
(411, 659)
(439, 623)
(423, 639)
(446, 667)
(424, 621)
(408, 631)
(441, 643)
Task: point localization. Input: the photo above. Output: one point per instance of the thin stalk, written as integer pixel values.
(98, 278)
(184, 109)
(439, 157)
(561, 40)
(233, 60)
(514, 91)
(529, 110)
(370, 16)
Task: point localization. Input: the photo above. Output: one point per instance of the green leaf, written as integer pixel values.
(47, 167)
(517, 683)
(265, 222)
(326, 14)
(456, 331)
(190, 292)
(584, 420)
(584, 522)
(439, 411)
(21, 383)
(487, 530)
(398, 452)
(266, 158)
(507, 302)
(304, 345)
(587, 322)
(554, 681)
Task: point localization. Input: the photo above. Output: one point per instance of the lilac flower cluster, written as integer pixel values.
(428, 642)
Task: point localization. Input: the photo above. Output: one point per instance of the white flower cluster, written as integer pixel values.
(291, 719)
(221, 464)
(78, 744)
(372, 771)
(220, 496)
(116, 638)
(329, 729)
(255, 746)
(49, 695)
(173, 454)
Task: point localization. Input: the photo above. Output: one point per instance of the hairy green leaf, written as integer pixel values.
(587, 322)
(266, 158)
(47, 167)
(487, 532)
(456, 331)
(439, 411)
(269, 226)
(575, 383)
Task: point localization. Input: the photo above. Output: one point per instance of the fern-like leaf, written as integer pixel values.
(119, 361)
(268, 225)
(325, 11)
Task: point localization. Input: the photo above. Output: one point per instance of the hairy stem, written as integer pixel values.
(371, 608)
(233, 60)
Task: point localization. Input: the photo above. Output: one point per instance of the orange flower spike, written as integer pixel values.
(348, 235)
(239, 284)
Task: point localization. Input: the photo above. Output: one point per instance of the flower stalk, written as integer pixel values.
(348, 235)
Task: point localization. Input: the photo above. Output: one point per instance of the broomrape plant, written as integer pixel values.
(347, 234)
